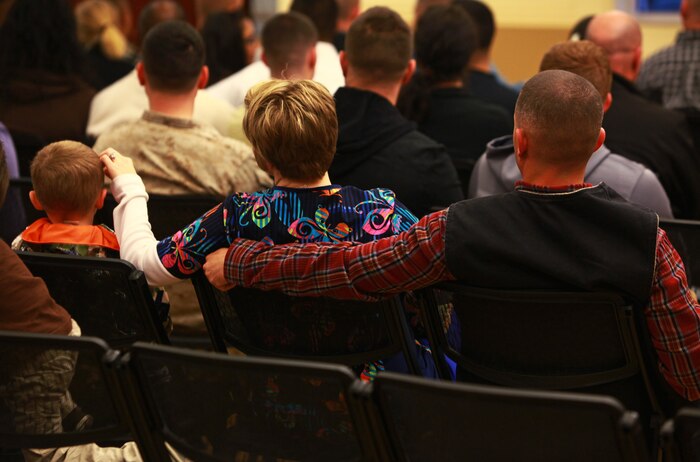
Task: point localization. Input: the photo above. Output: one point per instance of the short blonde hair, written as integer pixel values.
(292, 125)
(97, 22)
(67, 176)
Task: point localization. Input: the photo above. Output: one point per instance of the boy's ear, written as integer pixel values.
(35, 200)
(101, 199)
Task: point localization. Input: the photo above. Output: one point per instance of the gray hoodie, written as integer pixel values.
(496, 172)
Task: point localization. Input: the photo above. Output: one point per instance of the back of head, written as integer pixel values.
(323, 13)
(423, 5)
(173, 56)
(483, 18)
(378, 45)
(583, 58)
(97, 24)
(40, 35)
(224, 44)
(286, 40)
(292, 125)
(156, 12)
(615, 31)
(561, 113)
(67, 176)
(445, 40)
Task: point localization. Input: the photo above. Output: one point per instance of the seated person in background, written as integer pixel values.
(230, 43)
(173, 153)
(68, 180)
(293, 128)
(436, 99)
(554, 232)
(496, 171)
(377, 146)
(483, 81)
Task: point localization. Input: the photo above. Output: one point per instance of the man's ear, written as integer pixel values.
(637, 61)
(311, 58)
(101, 199)
(410, 69)
(203, 77)
(344, 63)
(601, 139)
(608, 102)
(35, 200)
(141, 73)
(263, 58)
(520, 143)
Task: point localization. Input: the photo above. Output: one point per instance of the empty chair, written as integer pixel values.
(685, 237)
(428, 420)
(586, 342)
(263, 323)
(107, 297)
(57, 391)
(213, 407)
(682, 436)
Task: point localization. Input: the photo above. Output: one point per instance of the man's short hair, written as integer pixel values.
(562, 113)
(173, 56)
(4, 175)
(378, 45)
(157, 11)
(292, 125)
(583, 58)
(67, 176)
(323, 13)
(287, 38)
(482, 16)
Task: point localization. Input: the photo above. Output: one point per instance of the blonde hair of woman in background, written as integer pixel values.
(97, 22)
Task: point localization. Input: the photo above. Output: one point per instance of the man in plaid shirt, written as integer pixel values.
(554, 232)
(672, 75)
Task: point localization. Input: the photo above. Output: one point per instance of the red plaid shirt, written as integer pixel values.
(416, 259)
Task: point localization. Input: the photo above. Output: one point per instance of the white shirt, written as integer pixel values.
(234, 88)
(125, 100)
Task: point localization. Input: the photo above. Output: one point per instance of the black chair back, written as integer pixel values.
(213, 407)
(26, 146)
(317, 329)
(586, 342)
(685, 237)
(168, 214)
(682, 436)
(428, 420)
(58, 391)
(108, 297)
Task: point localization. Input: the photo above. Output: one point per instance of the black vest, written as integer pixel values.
(587, 240)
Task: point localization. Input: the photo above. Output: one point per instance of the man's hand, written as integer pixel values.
(214, 270)
(116, 164)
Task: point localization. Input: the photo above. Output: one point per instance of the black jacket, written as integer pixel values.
(378, 147)
(658, 138)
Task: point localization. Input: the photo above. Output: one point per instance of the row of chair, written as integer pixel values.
(214, 407)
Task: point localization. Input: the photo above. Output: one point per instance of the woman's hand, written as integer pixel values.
(115, 164)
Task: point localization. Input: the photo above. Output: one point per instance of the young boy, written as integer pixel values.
(68, 185)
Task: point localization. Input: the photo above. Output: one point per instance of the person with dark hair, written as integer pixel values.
(173, 153)
(42, 93)
(289, 44)
(230, 43)
(578, 32)
(436, 99)
(554, 232)
(483, 81)
(496, 172)
(125, 100)
(377, 146)
(640, 129)
(323, 14)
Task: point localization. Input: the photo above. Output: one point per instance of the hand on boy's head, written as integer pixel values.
(214, 270)
(116, 164)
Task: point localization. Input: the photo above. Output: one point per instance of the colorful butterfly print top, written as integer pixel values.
(283, 215)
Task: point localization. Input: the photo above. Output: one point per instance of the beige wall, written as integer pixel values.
(527, 28)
